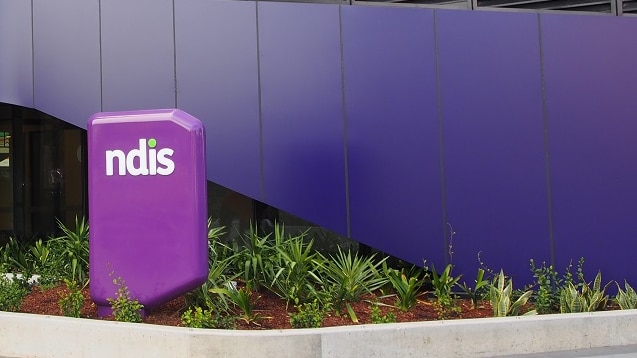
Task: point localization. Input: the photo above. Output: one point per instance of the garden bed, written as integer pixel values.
(271, 308)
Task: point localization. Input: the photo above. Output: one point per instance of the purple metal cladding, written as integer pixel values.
(494, 155)
(590, 101)
(302, 112)
(147, 204)
(218, 83)
(392, 131)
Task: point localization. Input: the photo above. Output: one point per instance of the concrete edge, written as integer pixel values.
(28, 335)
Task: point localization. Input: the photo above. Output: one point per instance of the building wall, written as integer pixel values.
(395, 126)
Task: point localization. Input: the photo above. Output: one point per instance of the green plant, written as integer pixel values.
(73, 246)
(71, 303)
(443, 284)
(406, 284)
(16, 257)
(296, 279)
(626, 299)
(549, 285)
(200, 318)
(244, 299)
(255, 261)
(500, 295)
(478, 292)
(587, 299)
(548, 288)
(351, 276)
(125, 308)
(47, 264)
(308, 315)
(376, 315)
(217, 278)
(12, 291)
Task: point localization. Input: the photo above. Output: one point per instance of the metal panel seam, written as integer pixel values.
(260, 103)
(546, 142)
(443, 192)
(345, 152)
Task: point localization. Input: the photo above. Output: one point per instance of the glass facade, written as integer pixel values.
(42, 176)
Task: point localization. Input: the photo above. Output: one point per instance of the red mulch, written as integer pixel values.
(270, 307)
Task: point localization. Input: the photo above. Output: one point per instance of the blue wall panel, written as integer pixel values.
(67, 59)
(302, 122)
(16, 61)
(216, 46)
(493, 133)
(590, 88)
(392, 131)
(138, 70)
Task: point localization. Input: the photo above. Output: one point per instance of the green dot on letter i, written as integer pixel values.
(152, 143)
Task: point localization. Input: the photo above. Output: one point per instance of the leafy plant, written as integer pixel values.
(73, 246)
(12, 291)
(47, 264)
(550, 285)
(443, 284)
(217, 278)
(587, 299)
(548, 288)
(217, 250)
(351, 276)
(376, 315)
(626, 299)
(71, 303)
(200, 318)
(16, 257)
(500, 295)
(296, 279)
(478, 292)
(308, 315)
(255, 261)
(125, 308)
(407, 285)
(242, 298)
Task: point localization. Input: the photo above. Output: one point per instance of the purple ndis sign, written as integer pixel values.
(147, 205)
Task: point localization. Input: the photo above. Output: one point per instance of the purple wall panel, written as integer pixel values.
(493, 133)
(302, 121)
(590, 89)
(16, 51)
(392, 131)
(216, 44)
(138, 69)
(67, 82)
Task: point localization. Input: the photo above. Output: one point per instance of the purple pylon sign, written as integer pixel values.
(147, 205)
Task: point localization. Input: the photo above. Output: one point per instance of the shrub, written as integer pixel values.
(125, 308)
(376, 316)
(549, 285)
(72, 302)
(12, 291)
(200, 318)
(308, 315)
